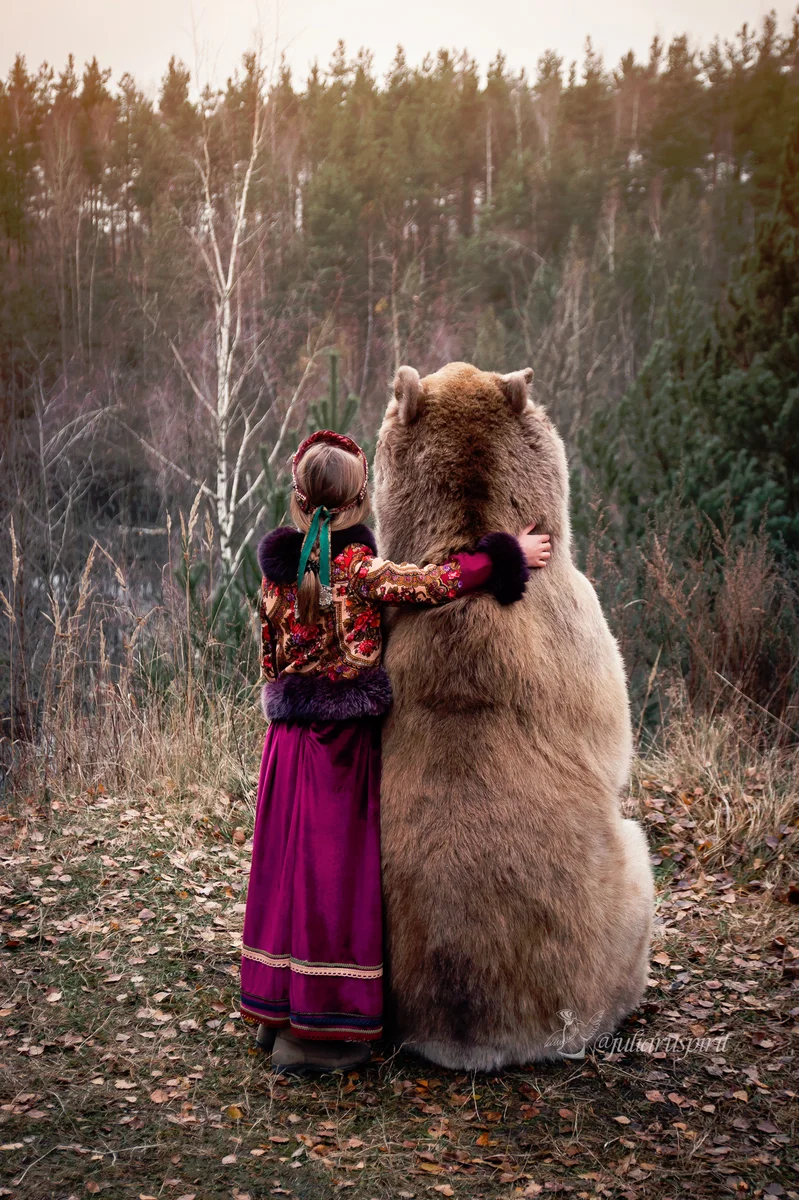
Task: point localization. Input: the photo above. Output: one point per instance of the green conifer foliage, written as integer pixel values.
(331, 412)
(714, 411)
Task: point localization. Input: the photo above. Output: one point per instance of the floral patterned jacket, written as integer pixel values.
(331, 670)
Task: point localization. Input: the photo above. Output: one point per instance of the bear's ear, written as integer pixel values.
(516, 388)
(408, 394)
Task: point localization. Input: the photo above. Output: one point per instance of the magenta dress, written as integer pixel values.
(313, 952)
(312, 955)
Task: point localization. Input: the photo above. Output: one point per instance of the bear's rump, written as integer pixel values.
(489, 908)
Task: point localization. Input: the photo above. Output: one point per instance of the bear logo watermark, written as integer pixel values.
(572, 1039)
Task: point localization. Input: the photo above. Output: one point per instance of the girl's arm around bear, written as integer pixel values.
(500, 565)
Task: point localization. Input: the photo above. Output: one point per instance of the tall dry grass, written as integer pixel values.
(133, 695)
(707, 620)
(739, 795)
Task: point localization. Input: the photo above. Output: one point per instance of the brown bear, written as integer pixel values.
(518, 901)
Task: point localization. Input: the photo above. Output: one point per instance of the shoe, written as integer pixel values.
(294, 1054)
(265, 1038)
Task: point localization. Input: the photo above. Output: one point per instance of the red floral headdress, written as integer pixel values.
(332, 439)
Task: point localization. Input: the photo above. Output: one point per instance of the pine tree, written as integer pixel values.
(714, 412)
(750, 385)
(326, 413)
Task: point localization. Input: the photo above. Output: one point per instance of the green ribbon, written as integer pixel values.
(319, 529)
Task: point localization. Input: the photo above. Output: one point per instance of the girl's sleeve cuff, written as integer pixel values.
(509, 571)
(475, 571)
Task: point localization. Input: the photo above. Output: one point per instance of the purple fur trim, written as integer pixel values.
(316, 698)
(509, 571)
(279, 552)
(273, 552)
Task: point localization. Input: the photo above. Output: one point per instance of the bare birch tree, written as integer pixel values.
(227, 231)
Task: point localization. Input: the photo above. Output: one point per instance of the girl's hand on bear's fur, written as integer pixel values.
(535, 547)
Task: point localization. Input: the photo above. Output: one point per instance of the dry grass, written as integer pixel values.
(127, 693)
(740, 799)
(708, 623)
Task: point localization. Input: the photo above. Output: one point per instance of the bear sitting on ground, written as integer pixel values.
(518, 901)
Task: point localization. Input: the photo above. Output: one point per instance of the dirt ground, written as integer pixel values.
(125, 1069)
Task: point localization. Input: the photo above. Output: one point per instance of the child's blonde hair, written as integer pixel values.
(331, 476)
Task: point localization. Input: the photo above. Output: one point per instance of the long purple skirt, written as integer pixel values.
(312, 954)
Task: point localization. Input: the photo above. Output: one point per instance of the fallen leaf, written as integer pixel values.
(622, 1120)
(662, 958)
(52, 996)
(234, 1112)
(159, 1096)
(444, 1188)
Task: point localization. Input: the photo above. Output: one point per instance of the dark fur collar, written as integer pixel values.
(279, 552)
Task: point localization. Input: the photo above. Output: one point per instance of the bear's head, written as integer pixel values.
(462, 453)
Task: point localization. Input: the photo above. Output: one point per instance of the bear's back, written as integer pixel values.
(463, 453)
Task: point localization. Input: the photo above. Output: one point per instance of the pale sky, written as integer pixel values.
(140, 37)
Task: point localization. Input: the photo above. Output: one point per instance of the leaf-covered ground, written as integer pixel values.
(125, 1069)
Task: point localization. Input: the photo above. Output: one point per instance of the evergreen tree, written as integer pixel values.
(714, 412)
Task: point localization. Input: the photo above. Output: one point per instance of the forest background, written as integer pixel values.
(188, 284)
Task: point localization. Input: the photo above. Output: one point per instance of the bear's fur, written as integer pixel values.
(518, 901)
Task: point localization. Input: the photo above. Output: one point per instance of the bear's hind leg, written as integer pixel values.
(636, 916)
